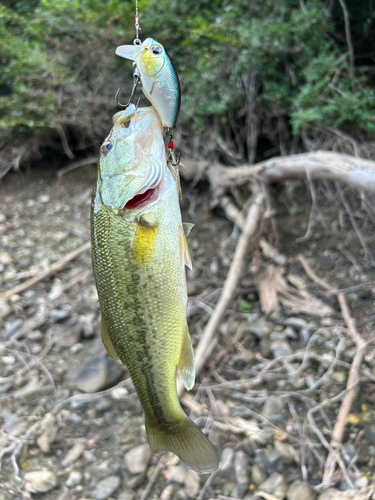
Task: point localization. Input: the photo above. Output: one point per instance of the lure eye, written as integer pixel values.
(106, 146)
(156, 49)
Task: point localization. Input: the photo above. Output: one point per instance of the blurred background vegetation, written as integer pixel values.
(259, 78)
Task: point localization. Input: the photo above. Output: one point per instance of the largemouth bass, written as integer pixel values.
(159, 79)
(139, 256)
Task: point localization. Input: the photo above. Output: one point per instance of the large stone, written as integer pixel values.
(273, 408)
(300, 490)
(270, 459)
(5, 308)
(241, 467)
(106, 487)
(40, 481)
(274, 485)
(137, 459)
(226, 460)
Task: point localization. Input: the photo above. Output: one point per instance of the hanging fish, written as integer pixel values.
(139, 256)
(158, 77)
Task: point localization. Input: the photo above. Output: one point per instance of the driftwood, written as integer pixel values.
(317, 165)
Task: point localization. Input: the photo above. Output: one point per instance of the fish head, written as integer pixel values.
(150, 57)
(132, 162)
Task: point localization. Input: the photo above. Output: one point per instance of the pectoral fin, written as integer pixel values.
(187, 227)
(184, 249)
(108, 344)
(185, 366)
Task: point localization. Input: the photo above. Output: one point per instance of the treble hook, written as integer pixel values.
(137, 81)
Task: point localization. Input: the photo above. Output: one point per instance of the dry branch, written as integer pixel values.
(57, 266)
(353, 378)
(317, 165)
(251, 224)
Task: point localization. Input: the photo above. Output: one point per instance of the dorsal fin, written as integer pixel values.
(107, 343)
(184, 249)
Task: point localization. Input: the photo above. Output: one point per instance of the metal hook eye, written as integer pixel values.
(137, 41)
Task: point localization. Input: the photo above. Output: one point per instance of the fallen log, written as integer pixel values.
(316, 165)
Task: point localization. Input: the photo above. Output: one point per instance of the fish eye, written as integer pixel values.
(156, 49)
(106, 146)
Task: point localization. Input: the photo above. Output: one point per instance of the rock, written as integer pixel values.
(273, 408)
(120, 393)
(258, 476)
(91, 376)
(44, 198)
(48, 433)
(297, 323)
(274, 485)
(289, 453)
(102, 404)
(280, 348)
(33, 390)
(126, 495)
(167, 493)
(305, 335)
(369, 434)
(241, 468)
(67, 334)
(260, 328)
(361, 482)
(106, 487)
(178, 473)
(57, 315)
(89, 456)
(75, 478)
(73, 454)
(226, 460)
(40, 481)
(192, 483)
(270, 459)
(136, 460)
(5, 308)
(350, 453)
(5, 259)
(330, 494)
(300, 490)
(239, 490)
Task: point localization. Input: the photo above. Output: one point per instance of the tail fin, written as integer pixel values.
(188, 443)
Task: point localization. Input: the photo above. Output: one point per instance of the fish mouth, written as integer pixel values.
(140, 200)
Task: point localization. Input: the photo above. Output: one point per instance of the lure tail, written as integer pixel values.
(188, 443)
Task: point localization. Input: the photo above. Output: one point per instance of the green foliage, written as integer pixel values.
(244, 64)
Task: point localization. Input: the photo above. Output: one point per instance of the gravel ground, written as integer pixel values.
(71, 423)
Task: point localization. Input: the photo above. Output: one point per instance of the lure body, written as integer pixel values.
(159, 79)
(139, 257)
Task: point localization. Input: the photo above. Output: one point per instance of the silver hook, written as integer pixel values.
(135, 85)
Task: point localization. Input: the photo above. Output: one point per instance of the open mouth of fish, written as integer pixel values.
(142, 199)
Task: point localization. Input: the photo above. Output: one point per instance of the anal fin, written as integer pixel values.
(108, 344)
(185, 366)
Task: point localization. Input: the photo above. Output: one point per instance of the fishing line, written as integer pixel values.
(137, 40)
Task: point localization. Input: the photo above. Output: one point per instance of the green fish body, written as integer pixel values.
(159, 79)
(139, 257)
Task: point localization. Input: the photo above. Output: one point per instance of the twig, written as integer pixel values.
(46, 272)
(77, 164)
(64, 142)
(251, 224)
(154, 476)
(354, 223)
(348, 38)
(353, 378)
